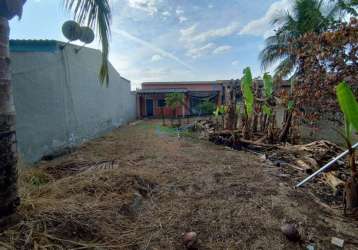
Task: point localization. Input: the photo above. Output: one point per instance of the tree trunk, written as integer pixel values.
(271, 128)
(246, 129)
(350, 194)
(286, 127)
(230, 117)
(8, 155)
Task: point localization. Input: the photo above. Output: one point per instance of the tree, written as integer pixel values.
(230, 115)
(249, 99)
(306, 16)
(322, 61)
(174, 100)
(94, 13)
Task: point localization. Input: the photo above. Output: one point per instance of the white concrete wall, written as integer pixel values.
(60, 102)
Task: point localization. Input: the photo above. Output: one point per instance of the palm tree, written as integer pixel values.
(306, 16)
(93, 13)
(175, 100)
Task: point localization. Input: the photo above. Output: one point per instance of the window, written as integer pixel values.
(161, 103)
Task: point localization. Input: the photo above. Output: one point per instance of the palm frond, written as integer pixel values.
(286, 67)
(272, 53)
(306, 16)
(95, 14)
(349, 6)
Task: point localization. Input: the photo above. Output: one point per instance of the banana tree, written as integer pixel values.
(246, 89)
(288, 117)
(349, 107)
(219, 113)
(267, 110)
(230, 116)
(93, 13)
(269, 121)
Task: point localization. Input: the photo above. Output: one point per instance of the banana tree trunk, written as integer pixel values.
(8, 155)
(230, 116)
(350, 194)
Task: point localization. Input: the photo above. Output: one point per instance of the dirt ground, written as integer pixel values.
(142, 187)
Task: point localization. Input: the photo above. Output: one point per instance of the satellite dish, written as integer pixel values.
(71, 30)
(87, 35)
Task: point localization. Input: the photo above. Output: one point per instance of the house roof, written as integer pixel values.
(282, 84)
(158, 91)
(183, 82)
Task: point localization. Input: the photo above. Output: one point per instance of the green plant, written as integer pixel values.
(95, 14)
(175, 100)
(247, 92)
(207, 107)
(349, 107)
(306, 16)
(268, 92)
(249, 102)
(220, 110)
(219, 113)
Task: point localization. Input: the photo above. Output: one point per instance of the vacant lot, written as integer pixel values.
(142, 187)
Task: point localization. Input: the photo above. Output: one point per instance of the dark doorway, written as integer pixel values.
(149, 105)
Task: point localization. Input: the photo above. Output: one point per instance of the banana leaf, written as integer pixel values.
(290, 105)
(268, 85)
(348, 104)
(267, 110)
(247, 91)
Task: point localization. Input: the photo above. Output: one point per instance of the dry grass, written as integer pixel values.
(156, 187)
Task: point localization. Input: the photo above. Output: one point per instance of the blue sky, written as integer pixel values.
(170, 40)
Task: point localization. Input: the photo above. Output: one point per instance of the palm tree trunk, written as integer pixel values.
(8, 154)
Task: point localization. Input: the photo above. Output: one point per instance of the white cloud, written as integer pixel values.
(150, 46)
(149, 6)
(180, 15)
(188, 32)
(156, 58)
(179, 11)
(166, 13)
(263, 26)
(191, 36)
(210, 6)
(235, 63)
(194, 41)
(182, 19)
(200, 51)
(222, 49)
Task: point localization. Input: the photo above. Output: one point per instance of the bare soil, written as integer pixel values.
(142, 187)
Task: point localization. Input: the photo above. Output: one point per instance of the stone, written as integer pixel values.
(190, 240)
(291, 232)
(337, 242)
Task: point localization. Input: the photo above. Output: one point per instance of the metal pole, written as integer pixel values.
(325, 166)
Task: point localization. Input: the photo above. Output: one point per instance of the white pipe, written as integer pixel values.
(325, 166)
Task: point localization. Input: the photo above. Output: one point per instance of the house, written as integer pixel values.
(59, 100)
(151, 98)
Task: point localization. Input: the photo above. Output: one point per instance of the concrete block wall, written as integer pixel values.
(60, 102)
